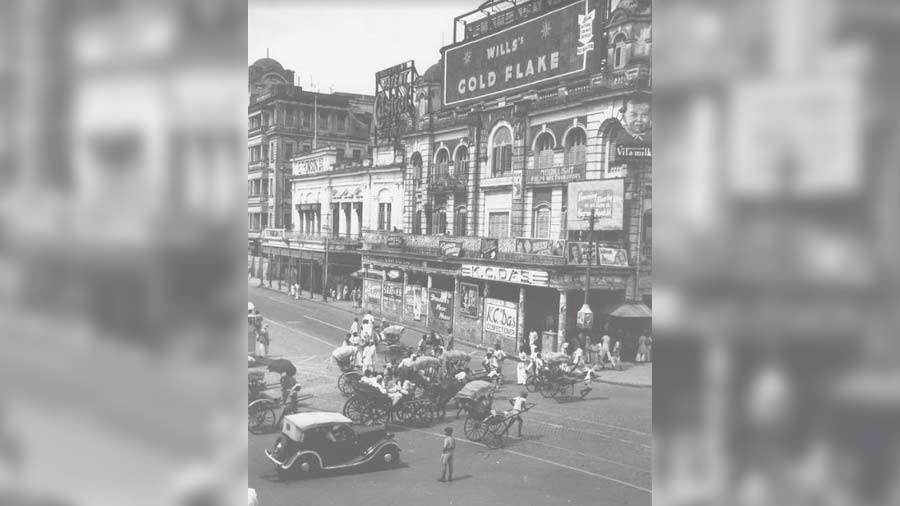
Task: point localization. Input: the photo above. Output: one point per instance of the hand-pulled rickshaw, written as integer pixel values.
(262, 404)
(350, 374)
(369, 406)
(557, 377)
(476, 399)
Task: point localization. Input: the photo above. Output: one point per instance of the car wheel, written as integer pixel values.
(390, 458)
(306, 466)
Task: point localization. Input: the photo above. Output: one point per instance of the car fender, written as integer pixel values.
(376, 448)
(290, 462)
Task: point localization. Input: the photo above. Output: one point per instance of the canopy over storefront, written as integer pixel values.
(631, 310)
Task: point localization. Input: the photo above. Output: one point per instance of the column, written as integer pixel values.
(341, 219)
(561, 335)
(348, 223)
(354, 219)
(487, 293)
(456, 303)
(427, 305)
(520, 327)
(403, 297)
(451, 213)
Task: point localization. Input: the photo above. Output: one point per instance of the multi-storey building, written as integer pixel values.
(534, 116)
(284, 121)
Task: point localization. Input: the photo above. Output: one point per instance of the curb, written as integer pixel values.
(457, 340)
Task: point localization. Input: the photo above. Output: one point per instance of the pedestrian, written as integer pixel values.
(616, 355)
(447, 456)
(449, 343)
(642, 349)
(578, 358)
(354, 327)
(262, 341)
(518, 405)
(605, 352)
(423, 344)
(368, 316)
(593, 351)
(533, 342)
(522, 369)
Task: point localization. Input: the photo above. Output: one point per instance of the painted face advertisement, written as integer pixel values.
(549, 46)
(636, 118)
(415, 302)
(501, 317)
(392, 297)
(441, 305)
(540, 246)
(579, 252)
(604, 197)
(469, 299)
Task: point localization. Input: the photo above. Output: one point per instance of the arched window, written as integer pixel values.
(543, 150)
(541, 223)
(461, 161)
(620, 46)
(442, 163)
(576, 146)
(440, 220)
(501, 152)
(423, 105)
(416, 162)
(459, 220)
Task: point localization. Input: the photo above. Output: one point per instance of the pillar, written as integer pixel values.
(561, 333)
(354, 219)
(456, 303)
(427, 305)
(520, 327)
(451, 213)
(487, 293)
(341, 219)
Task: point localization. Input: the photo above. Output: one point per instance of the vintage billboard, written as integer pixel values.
(392, 297)
(415, 302)
(440, 304)
(394, 100)
(605, 197)
(549, 46)
(468, 305)
(501, 317)
(372, 291)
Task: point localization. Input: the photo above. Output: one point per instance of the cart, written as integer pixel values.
(475, 398)
(496, 427)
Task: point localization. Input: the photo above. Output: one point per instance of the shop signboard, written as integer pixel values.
(373, 293)
(311, 166)
(548, 247)
(604, 197)
(392, 297)
(415, 302)
(501, 317)
(395, 241)
(469, 301)
(394, 100)
(549, 46)
(440, 304)
(451, 248)
(561, 174)
(506, 274)
(579, 252)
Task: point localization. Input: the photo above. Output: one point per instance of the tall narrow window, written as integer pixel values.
(576, 146)
(543, 151)
(461, 162)
(620, 46)
(442, 163)
(541, 222)
(459, 220)
(501, 152)
(384, 216)
(416, 162)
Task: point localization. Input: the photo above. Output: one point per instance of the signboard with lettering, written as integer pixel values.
(440, 304)
(506, 274)
(394, 100)
(561, 174)
(616, 170)
(415, 301)
(501, 317)
(469, 300)
(395, 241)
(311, 166)
(549, 46)
(605, 197)
(638, 152)
(540, 246)
(451, 249)
(373, 293)
(392, 297)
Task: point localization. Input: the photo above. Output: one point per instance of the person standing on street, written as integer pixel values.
(354, 327)
(262, 341)
(605, 353)
(447, 456)
(533, 342)
(449, 339)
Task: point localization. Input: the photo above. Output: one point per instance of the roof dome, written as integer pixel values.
(434, 73)
(268, 65)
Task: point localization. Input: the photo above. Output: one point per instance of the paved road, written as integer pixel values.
(595, 451)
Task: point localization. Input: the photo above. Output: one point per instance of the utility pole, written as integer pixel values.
(585, 315)
(325, 269)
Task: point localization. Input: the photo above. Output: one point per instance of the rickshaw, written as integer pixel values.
(368, 406)
(543, 381)
(496, 426)
(392, 333)
(350, 374)
(262, 405)
(475, 398)
(456, 361)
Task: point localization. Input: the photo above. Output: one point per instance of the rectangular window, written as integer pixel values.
(341, 123)
(498, 225)
(356, 155)
(384, 216)
(502, 159)
(305, 115)
(288, 150)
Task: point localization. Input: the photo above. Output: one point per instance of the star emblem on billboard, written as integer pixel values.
(467, 57)
(545, 30)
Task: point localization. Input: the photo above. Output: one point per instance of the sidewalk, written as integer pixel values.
(632, 375)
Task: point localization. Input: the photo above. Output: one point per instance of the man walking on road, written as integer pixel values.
(447, 456)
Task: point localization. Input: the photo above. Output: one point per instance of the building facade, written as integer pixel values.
(536, 116)
(284, 120)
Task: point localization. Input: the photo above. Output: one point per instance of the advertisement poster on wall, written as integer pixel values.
(501, 317)
(441, 305)
(392, 297)
(604, 197)
(373, 294)
(415, 302)
(469, 300)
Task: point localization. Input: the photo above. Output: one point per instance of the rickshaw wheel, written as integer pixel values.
(547, 389)
(493, 436)
(424, 414)
(346, 382)
(354, 410)
(531, 384)
(474, 429)
(376, 414)
(404, 412)
(260, 417)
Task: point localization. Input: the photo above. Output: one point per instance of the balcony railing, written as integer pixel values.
(445, 178)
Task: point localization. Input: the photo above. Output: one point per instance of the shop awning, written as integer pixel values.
(631, 310)
(358, 274)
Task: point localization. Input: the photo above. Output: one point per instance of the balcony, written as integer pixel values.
(259, 198)
(445, 178)
(311, 241)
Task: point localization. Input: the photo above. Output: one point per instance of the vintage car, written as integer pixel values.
(321, 441)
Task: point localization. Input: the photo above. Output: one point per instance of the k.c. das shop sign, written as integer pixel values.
(505, 274)
(556, 44)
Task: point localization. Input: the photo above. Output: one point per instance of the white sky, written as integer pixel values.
(342, 43)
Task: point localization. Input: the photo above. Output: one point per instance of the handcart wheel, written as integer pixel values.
(260, 417)
(493, 437)
(531, 384)
(404, 412)
(474, 429)
(354, 409)
(346, 382)
(425, 413)
(547, 388)
(376, 414)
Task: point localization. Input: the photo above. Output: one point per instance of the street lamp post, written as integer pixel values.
(585, 315)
